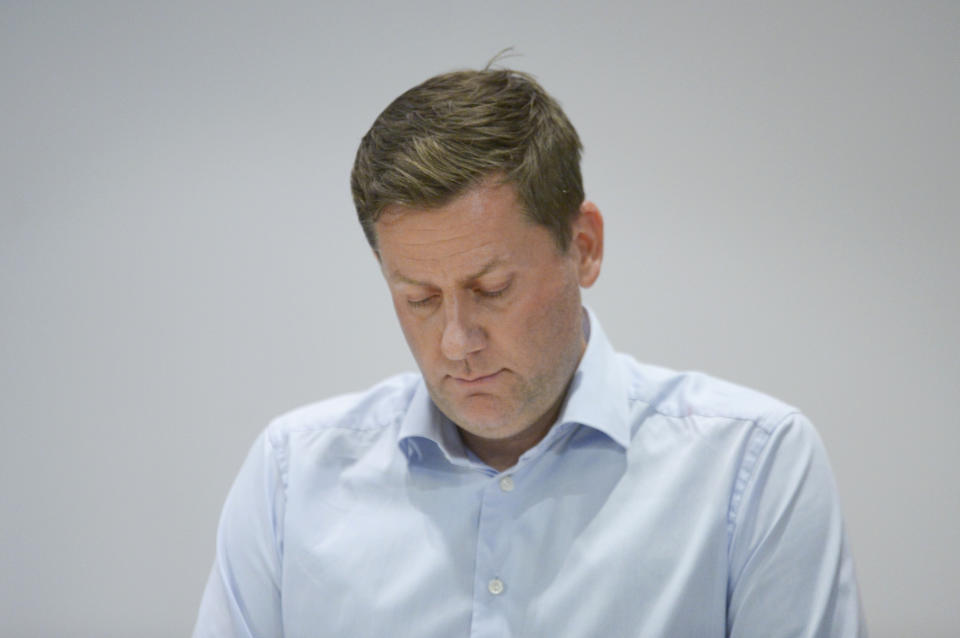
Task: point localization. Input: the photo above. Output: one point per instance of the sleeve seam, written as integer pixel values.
(746, 474)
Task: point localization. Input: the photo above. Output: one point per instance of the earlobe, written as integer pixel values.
(588, 238)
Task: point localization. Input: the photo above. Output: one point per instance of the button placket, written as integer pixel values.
(497, 516)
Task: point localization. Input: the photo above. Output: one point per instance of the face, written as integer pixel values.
(490, 307)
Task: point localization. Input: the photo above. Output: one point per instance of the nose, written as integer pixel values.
(462, 335)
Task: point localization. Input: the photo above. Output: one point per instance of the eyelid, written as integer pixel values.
(479, 291)
(495, 292)
(419, 303)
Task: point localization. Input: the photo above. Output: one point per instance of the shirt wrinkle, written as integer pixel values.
(653, 507)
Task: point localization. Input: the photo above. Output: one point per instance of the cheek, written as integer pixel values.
(416, 332)
(549, 315)
(406, 323)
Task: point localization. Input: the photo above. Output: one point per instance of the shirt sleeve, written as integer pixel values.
(242, 596)
(791, 571)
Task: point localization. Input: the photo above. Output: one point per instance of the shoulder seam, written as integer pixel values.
(761, 420)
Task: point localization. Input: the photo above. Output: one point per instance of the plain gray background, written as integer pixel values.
(181, 262)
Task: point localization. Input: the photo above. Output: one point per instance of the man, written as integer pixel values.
(529, 481)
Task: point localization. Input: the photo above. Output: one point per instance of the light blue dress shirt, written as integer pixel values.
(660, 504)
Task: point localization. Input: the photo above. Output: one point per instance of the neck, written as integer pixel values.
(502, 454)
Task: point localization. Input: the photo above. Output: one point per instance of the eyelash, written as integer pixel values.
(419, 303)
(492, 294)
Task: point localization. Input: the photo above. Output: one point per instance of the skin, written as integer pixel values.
(491, 310)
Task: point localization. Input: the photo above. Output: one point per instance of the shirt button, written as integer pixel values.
(495, 586)
(506, 483)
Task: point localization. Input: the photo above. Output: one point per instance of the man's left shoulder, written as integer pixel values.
(687, 394)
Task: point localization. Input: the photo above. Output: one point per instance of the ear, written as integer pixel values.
(587, 242)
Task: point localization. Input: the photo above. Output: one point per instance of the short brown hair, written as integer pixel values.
(446, 135)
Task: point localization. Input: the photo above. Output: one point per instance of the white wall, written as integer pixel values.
(180, 259)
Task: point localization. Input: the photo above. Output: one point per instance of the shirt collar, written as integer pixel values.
(424, 423)
(597, 398)
(598, 393)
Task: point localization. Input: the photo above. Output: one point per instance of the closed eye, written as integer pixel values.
(421, 303)
(492, 294)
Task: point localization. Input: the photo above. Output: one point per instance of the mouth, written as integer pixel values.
(470, 382)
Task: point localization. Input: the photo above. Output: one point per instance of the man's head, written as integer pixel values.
(445, 136)
(468, 188)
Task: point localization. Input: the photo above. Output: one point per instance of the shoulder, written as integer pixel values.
(367, 411)
(696, 394)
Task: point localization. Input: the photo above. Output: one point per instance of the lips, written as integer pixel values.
(468, 381)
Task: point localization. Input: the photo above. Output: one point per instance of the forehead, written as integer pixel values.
(484, 224)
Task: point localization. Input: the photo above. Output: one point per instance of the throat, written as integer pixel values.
(503, 453)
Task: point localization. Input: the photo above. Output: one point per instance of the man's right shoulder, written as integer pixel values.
(375, 408)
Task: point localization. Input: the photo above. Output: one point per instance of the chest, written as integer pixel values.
(587, 541)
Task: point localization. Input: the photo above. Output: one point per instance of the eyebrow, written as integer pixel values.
(396, 275)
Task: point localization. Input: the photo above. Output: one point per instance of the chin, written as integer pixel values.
(486, 423)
